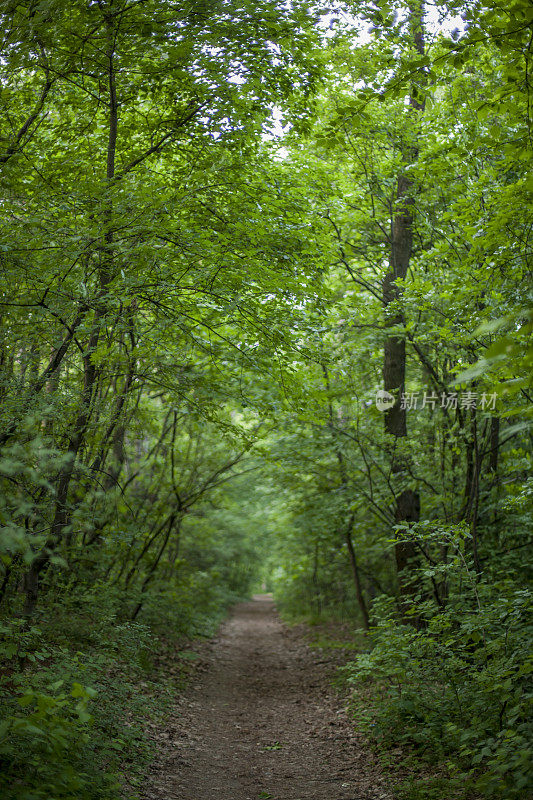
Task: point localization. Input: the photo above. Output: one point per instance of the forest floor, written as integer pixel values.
(261, 720)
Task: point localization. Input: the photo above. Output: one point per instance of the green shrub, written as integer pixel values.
(44, 747)
(459, 688)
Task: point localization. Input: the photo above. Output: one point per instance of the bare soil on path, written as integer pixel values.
(261, 721)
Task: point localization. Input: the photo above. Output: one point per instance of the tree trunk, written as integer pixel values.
(357, 578)
(407, 501)
(348, 535)
(494, 445)
(153, 568)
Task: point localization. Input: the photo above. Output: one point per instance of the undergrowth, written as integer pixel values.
(453, 695)
(79, 686)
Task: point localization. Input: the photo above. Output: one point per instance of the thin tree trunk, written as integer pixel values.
(144, 550)
(348, 535)
(153, 568)
(494, 445)
(474, 490)
(356, 577)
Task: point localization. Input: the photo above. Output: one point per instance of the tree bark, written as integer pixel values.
(407, 501)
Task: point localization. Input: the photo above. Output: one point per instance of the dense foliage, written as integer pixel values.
(198, 310)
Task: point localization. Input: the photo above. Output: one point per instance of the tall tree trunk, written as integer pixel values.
(407, 501)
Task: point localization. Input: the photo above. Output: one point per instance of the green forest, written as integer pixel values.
(266, 326)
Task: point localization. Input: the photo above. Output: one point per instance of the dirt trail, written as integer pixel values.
(262, 722)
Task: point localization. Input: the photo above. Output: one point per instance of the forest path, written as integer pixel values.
(262, 722)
